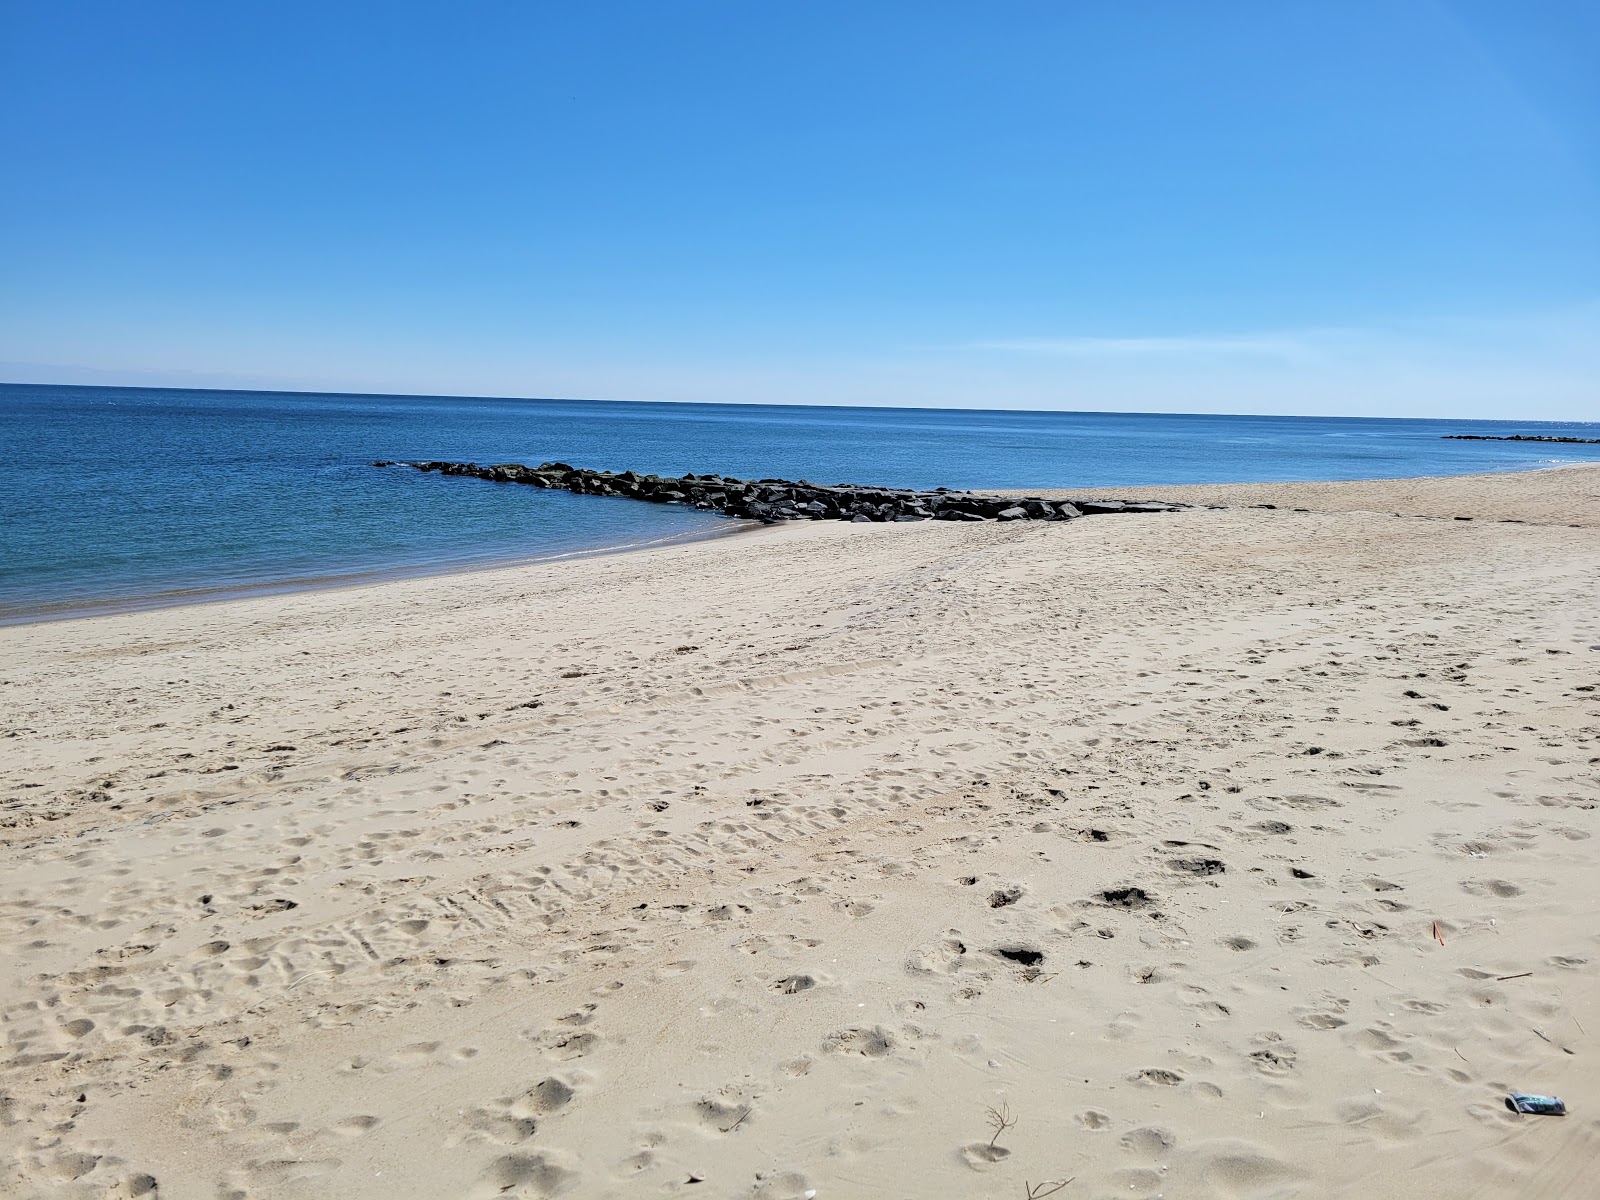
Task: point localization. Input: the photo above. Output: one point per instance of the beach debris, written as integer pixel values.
(1002, 1120)
(1541, 1106)
(1037, 1191)
(1503, 978)
(1439, 936)
(1545, 1037)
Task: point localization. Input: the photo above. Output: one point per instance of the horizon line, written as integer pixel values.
(384, 395)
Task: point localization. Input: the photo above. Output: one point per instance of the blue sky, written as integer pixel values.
(1385, 207)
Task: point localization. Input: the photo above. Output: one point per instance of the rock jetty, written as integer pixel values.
(772, 500)
(1517, 437)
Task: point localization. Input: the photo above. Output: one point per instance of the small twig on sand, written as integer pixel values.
(1503, 978)
(1541, 1033)
(737, 1123)
(1001, 1119)
(1037, 1191)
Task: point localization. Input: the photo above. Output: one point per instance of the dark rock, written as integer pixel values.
(1518, 437)
(771, 500)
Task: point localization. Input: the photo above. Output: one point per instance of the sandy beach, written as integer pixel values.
(1239, 853)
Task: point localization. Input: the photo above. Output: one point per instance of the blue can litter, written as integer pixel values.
(1543, 1106)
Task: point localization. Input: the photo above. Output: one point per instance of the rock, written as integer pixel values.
(772, 500)
(1518, 437)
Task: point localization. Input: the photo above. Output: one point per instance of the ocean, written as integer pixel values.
(123, 497)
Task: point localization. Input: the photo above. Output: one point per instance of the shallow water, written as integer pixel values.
(134, 494)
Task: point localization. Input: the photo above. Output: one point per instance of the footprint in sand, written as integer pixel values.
(1328, 1014)
(943, 957)
(1130, 897)
(354, 1127)
(1503, 888)
(1274, 1056)
(875, 1042)
(524, 1177)
(1156, 1077)
(1004, 897)
(1149, 1141)
(979, 1155)
(1022, 955)
(547, 1096)
(716, 1117)
(1199, 867)
(565, 1043)
(499, 1127)
(1243, 1169)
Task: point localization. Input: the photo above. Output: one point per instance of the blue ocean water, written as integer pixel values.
(117, 495)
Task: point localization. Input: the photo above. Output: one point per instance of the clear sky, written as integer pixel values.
(1385, 207)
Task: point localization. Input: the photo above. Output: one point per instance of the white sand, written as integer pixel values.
(594, 878)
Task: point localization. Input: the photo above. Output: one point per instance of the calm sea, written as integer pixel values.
(117, 495)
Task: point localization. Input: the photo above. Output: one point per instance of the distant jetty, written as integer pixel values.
(772, 500)
(1518, 437)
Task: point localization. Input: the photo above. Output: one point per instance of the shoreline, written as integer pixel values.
(1203, 493)
(1235, 852)
(299, 585)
